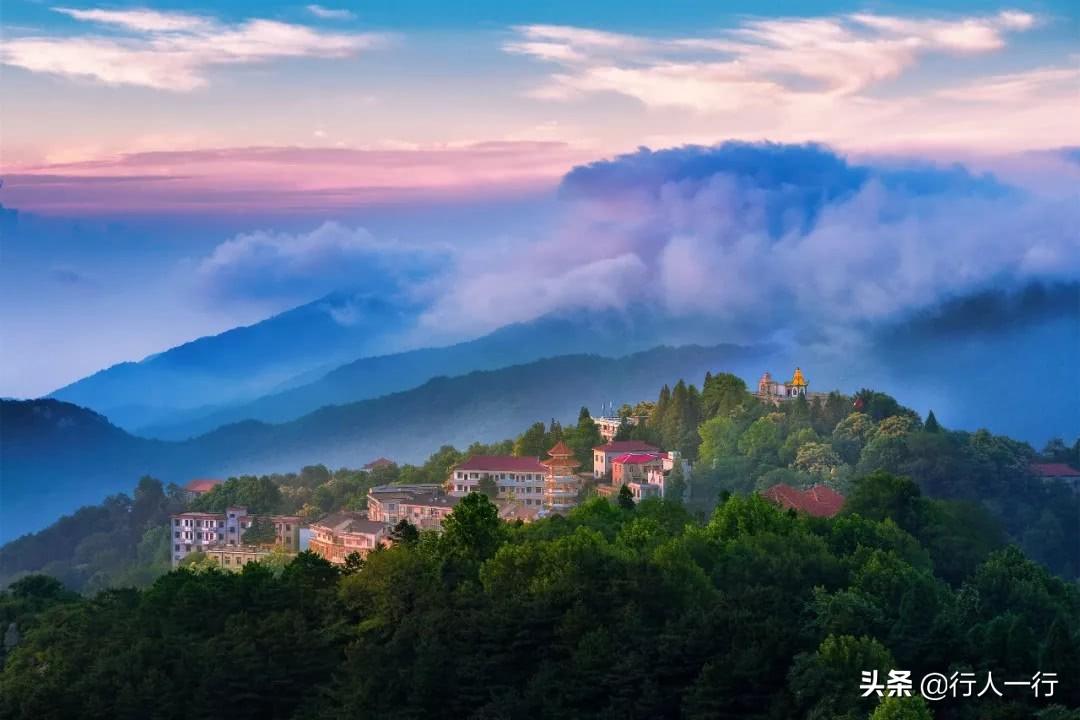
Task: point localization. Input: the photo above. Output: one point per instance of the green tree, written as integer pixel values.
(354, 563)
(626, 498)
(583, 438)
(150, 506)
(260, 532)
(473, 531)
(931, 425)
(531, 442)
(852, 434)
(198, 561)
(488, 486)
(719, 439)
(902, 708)
(819, 460)
(675, 484)
(761, 441)
(722, 395)
(405, 532)
(825, 683)
(882, 495)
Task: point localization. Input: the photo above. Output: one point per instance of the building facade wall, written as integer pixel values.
(527, 487)
(199, 532)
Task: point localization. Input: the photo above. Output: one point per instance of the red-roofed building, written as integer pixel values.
(634, 467)
(517, 478)
(378, 463)
(200, 486)
(819, 501)
(1057, 471)
(604, 454)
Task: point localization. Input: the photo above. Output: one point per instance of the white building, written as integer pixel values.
(199, 532)
(516, 478)
(604, 454)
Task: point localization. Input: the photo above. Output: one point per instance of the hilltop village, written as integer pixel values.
(523, 489)
(766, 534)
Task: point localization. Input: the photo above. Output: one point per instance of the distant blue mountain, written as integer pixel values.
(607, 332)
(56, 456)
(243, 363)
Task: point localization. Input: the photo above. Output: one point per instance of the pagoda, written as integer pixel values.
(798, 383)
(562, 485)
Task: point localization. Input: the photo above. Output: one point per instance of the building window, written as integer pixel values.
(176, 522)
(176, 548)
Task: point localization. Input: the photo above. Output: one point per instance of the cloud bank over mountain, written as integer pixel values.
(294, 266)
(772, 240)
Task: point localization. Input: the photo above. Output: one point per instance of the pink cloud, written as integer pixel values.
(284, 179)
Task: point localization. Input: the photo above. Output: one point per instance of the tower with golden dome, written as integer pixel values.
(776, 392)
(797, 385)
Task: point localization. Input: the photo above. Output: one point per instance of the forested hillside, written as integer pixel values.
(738, 445)
(50, 468)
(627, 612)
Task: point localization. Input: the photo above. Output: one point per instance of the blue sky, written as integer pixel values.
(142, 141)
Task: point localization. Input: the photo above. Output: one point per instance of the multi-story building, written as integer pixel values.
(1059, 472)
(235, 557)
(609, 426)
(425, 506)
(198, 531)
(340, 534)
(634, 467)
(561, 484)
(515, 478)
(604, 454)
(644, 490)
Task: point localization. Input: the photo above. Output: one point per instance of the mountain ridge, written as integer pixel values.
(243, 362)
(48, 471)
(616, 332)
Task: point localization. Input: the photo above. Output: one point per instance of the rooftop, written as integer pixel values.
(347, 521)
(430, 495)
(638, 458)
(501, 463)
(626, 446)
(378, 463)
(1054, 470)
(202, 485)
(819, 501)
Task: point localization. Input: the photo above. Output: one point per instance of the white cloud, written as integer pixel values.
(1028, 86)
(142, 19)
(326, 13)
(769, 240)
(266, 265)
(782, 61)
(171, 51)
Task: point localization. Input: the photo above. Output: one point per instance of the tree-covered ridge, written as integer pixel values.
(739, 444)
(614, 611)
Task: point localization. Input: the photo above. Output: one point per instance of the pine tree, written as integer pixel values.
(931, 425)
(626, 498)
(656, 420)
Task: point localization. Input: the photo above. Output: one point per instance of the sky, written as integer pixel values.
(181, 168)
